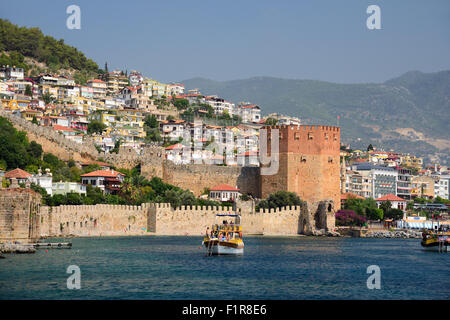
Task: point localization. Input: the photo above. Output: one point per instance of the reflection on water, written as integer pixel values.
(271, 268)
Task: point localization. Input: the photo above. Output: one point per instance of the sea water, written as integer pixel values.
(166, 267)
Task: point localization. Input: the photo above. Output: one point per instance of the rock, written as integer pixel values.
(17, 248)
(400, 234)
(320, 232)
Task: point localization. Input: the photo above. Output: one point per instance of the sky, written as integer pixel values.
(174, 40)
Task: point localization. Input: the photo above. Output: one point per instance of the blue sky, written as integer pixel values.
(225, 40)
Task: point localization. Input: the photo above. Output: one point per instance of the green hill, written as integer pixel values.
(22, 42)
(370, 113)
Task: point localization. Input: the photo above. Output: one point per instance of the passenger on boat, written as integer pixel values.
(207, 232)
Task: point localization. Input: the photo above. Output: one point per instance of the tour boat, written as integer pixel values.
(224, 238)
(438, 240)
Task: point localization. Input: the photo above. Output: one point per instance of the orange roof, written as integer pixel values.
(223, 187)
(390, 197)
(17, 173)
(96, 80)
(248, 153)
(103, 173)
(349, 195)
(62, 128)
(175, 146)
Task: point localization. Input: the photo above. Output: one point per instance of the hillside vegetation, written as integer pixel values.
(22, 42)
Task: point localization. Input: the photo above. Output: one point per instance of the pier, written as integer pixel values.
(61, 245)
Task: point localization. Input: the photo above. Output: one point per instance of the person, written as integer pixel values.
(207, 232)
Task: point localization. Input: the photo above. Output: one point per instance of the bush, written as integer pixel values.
(349, 218)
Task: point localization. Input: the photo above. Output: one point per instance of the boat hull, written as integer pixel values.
(223, 248)
(434, 246)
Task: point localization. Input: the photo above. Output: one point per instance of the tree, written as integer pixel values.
(181, 104)
(385, 206)
(151, 121)
(151, 127)
(280, 199)
(35, 150)
(47, 97)
(28, 91)
(271, 122)
(96, 126)
(395, 214)
(117, 145)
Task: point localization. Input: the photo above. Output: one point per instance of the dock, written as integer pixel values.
(61, 245)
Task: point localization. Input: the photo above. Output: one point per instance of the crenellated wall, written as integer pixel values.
(23, 218)
(93, 220)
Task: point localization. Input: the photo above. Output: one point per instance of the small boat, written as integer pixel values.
(225, 237)
(437, 240)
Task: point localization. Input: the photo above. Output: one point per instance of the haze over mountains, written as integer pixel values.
(409, 113)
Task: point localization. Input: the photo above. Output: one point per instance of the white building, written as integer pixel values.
(68, 187)
(441, 186)
(14, 73)
(396, 202)
(224, 192)
(284, 120)
(249, 113)
(43, 180)
(175, 89)
(109, 181)
(220, 105)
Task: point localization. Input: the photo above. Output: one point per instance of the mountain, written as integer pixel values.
(409, 113)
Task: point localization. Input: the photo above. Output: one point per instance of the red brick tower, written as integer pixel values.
(308, 163)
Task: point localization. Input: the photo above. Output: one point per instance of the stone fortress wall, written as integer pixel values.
(22, 218)
(162, 219)
(152, 160)
(309, 163)
(19, 215)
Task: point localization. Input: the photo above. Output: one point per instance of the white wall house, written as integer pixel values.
(108, 181)
(224, 192)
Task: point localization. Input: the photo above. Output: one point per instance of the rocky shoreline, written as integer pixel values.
(16, 247)
(395, 234)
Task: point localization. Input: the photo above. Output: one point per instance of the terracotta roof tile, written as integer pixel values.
(103, 173)
(390, 197)
(223, 187)
(18, 174)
